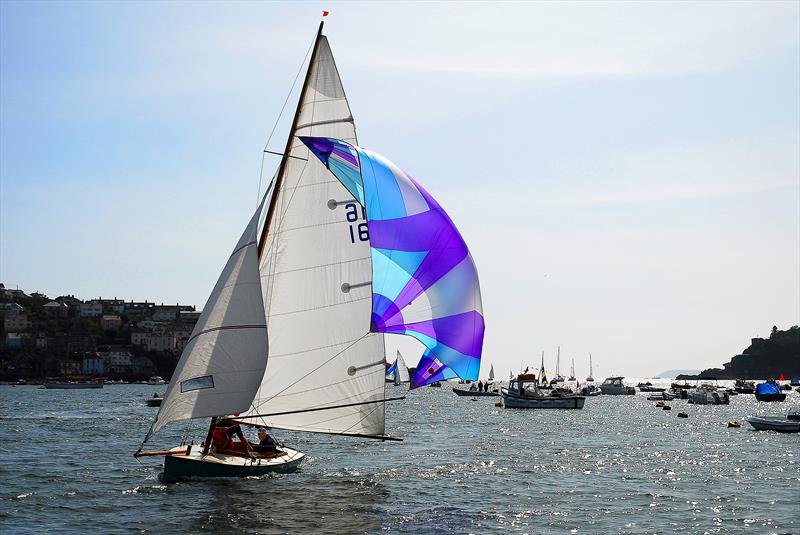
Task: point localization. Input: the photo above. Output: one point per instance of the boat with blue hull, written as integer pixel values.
(769, 391)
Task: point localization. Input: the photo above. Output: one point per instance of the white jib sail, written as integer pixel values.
(491, 373)
(221, 366)
(316, 277)
(402, 370)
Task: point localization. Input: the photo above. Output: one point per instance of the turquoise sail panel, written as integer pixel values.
(424, 281)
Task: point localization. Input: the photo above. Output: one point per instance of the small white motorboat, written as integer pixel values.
(782, 424)
(709, 394)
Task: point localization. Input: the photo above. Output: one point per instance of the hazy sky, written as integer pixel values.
(626, 175)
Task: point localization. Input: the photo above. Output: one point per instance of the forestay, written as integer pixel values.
(315, 272)
(220, 368)
(424, 280)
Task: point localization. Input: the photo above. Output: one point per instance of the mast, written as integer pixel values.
(282, 169)
(558, 363)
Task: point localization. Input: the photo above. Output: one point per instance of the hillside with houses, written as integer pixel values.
(68, 337)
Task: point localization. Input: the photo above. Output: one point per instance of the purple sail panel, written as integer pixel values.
(424, 281)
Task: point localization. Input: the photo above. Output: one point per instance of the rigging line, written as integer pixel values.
(280, 114)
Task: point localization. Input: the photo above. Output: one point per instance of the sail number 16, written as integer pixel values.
(358, 231)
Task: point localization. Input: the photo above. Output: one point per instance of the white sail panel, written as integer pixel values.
(315, 273)
(221, 366)
(402, 369)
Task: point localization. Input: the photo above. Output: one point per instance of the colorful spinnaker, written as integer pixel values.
(424, 281)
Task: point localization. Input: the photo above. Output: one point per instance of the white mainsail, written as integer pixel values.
(402, 375)
(220, 368)
(326, 370)
(491, 373)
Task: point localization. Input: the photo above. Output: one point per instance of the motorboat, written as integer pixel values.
(769, 391)
(524, 393)
(708, 394)
(156, 400)
(590, 389)
(613, 386)
(662, 396)
(744, 387)
(782, 424)
(156, 380)
(648, 387)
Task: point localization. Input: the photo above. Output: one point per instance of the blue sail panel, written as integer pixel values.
(424, 280)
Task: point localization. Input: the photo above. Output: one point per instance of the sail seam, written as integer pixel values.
(322, 307)
(290, 385)
(226, 327)
(321, 123)
(313, 349)
(322, 265)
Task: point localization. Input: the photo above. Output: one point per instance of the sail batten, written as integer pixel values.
(425, 283)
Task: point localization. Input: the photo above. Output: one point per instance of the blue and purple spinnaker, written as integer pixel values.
(424, 281)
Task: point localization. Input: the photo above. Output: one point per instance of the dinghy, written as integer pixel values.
(782, 424)
(398, 372)
(292, 335)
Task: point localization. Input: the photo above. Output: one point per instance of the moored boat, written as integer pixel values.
(708, 394)
(782, 424)
(648, 387)
(769, 391)
(744, 387)
(524, 393)
(614, 386)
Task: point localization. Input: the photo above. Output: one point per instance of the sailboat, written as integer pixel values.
(398, 372)
(292, 335)
(590, 378)
(543, 384)
(572, 371)
(558, 378)
(473, 391)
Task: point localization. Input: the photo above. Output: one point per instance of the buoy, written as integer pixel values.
(666, 408)
(682, 415)
(498, 403)
(734, 423)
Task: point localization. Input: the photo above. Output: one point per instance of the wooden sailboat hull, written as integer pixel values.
(181, 466)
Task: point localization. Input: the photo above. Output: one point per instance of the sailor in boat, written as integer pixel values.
(265, 442)
(223, 435)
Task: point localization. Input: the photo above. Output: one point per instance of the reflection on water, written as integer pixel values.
(291, 504)
(619, 465)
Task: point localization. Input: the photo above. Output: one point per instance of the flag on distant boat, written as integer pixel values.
(325, 13)
(781, 377)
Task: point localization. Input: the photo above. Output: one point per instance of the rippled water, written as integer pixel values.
(620, 465)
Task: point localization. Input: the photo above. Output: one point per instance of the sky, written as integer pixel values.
(626, 175)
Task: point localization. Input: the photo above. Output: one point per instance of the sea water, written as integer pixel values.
(620, 465)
